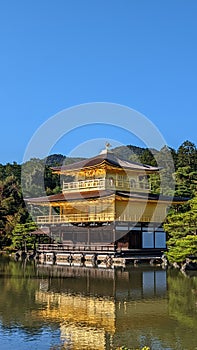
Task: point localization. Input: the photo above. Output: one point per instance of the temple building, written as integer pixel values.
(107, 205)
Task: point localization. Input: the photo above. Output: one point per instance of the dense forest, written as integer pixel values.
(178, 177)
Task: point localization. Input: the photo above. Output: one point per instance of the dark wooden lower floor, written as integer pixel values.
(115, 236)
(124, 239)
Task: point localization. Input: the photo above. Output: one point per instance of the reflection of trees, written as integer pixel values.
(17, 297)
(183, 298)
(182, 304)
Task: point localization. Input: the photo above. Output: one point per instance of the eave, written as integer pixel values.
(60, 199)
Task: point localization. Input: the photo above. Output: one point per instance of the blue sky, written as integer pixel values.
(56, 54)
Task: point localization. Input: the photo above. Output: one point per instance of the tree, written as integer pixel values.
(21, 235)
(186, 181)
(32, 178)
(187, 155)
(163, 181)
(25, 236)
(148, 157)
(181, 227)
(12, 206)
(38, 180)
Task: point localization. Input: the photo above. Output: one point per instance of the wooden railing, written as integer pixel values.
(104, 183)
(86, 184)
(102, 217)
(75, 218)
(76, 247)
(138, 218)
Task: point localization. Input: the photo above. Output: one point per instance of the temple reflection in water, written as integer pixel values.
(99, 308)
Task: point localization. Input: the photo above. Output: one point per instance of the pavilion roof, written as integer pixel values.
(105, 157)
(69, 197)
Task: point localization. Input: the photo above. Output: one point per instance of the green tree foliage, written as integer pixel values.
(128, 151)
(51, 182)
(163, 181)
(186, 181)
(12, 208)
(18, 296)
(13, 211)
(182, 298)
(187, 155)
(22, 237)
(38, 180)
(148, 157)
(181, 227)
(32, 178)
(59, 160)
(165, 160)
(26, 236)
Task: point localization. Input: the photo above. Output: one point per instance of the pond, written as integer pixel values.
(75, 307)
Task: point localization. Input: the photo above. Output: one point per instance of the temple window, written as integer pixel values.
(133, 183)
(111, 181)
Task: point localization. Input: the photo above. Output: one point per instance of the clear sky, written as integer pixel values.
(56, 54)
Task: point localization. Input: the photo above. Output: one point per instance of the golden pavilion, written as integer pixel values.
(106, 205)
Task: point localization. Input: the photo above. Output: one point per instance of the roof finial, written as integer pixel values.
(107, 145)
(106, 150)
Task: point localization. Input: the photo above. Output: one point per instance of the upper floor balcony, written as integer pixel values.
(106, 184)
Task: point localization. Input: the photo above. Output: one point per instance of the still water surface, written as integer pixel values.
(54, 307)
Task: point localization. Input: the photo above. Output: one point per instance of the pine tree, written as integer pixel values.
(181, 227)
